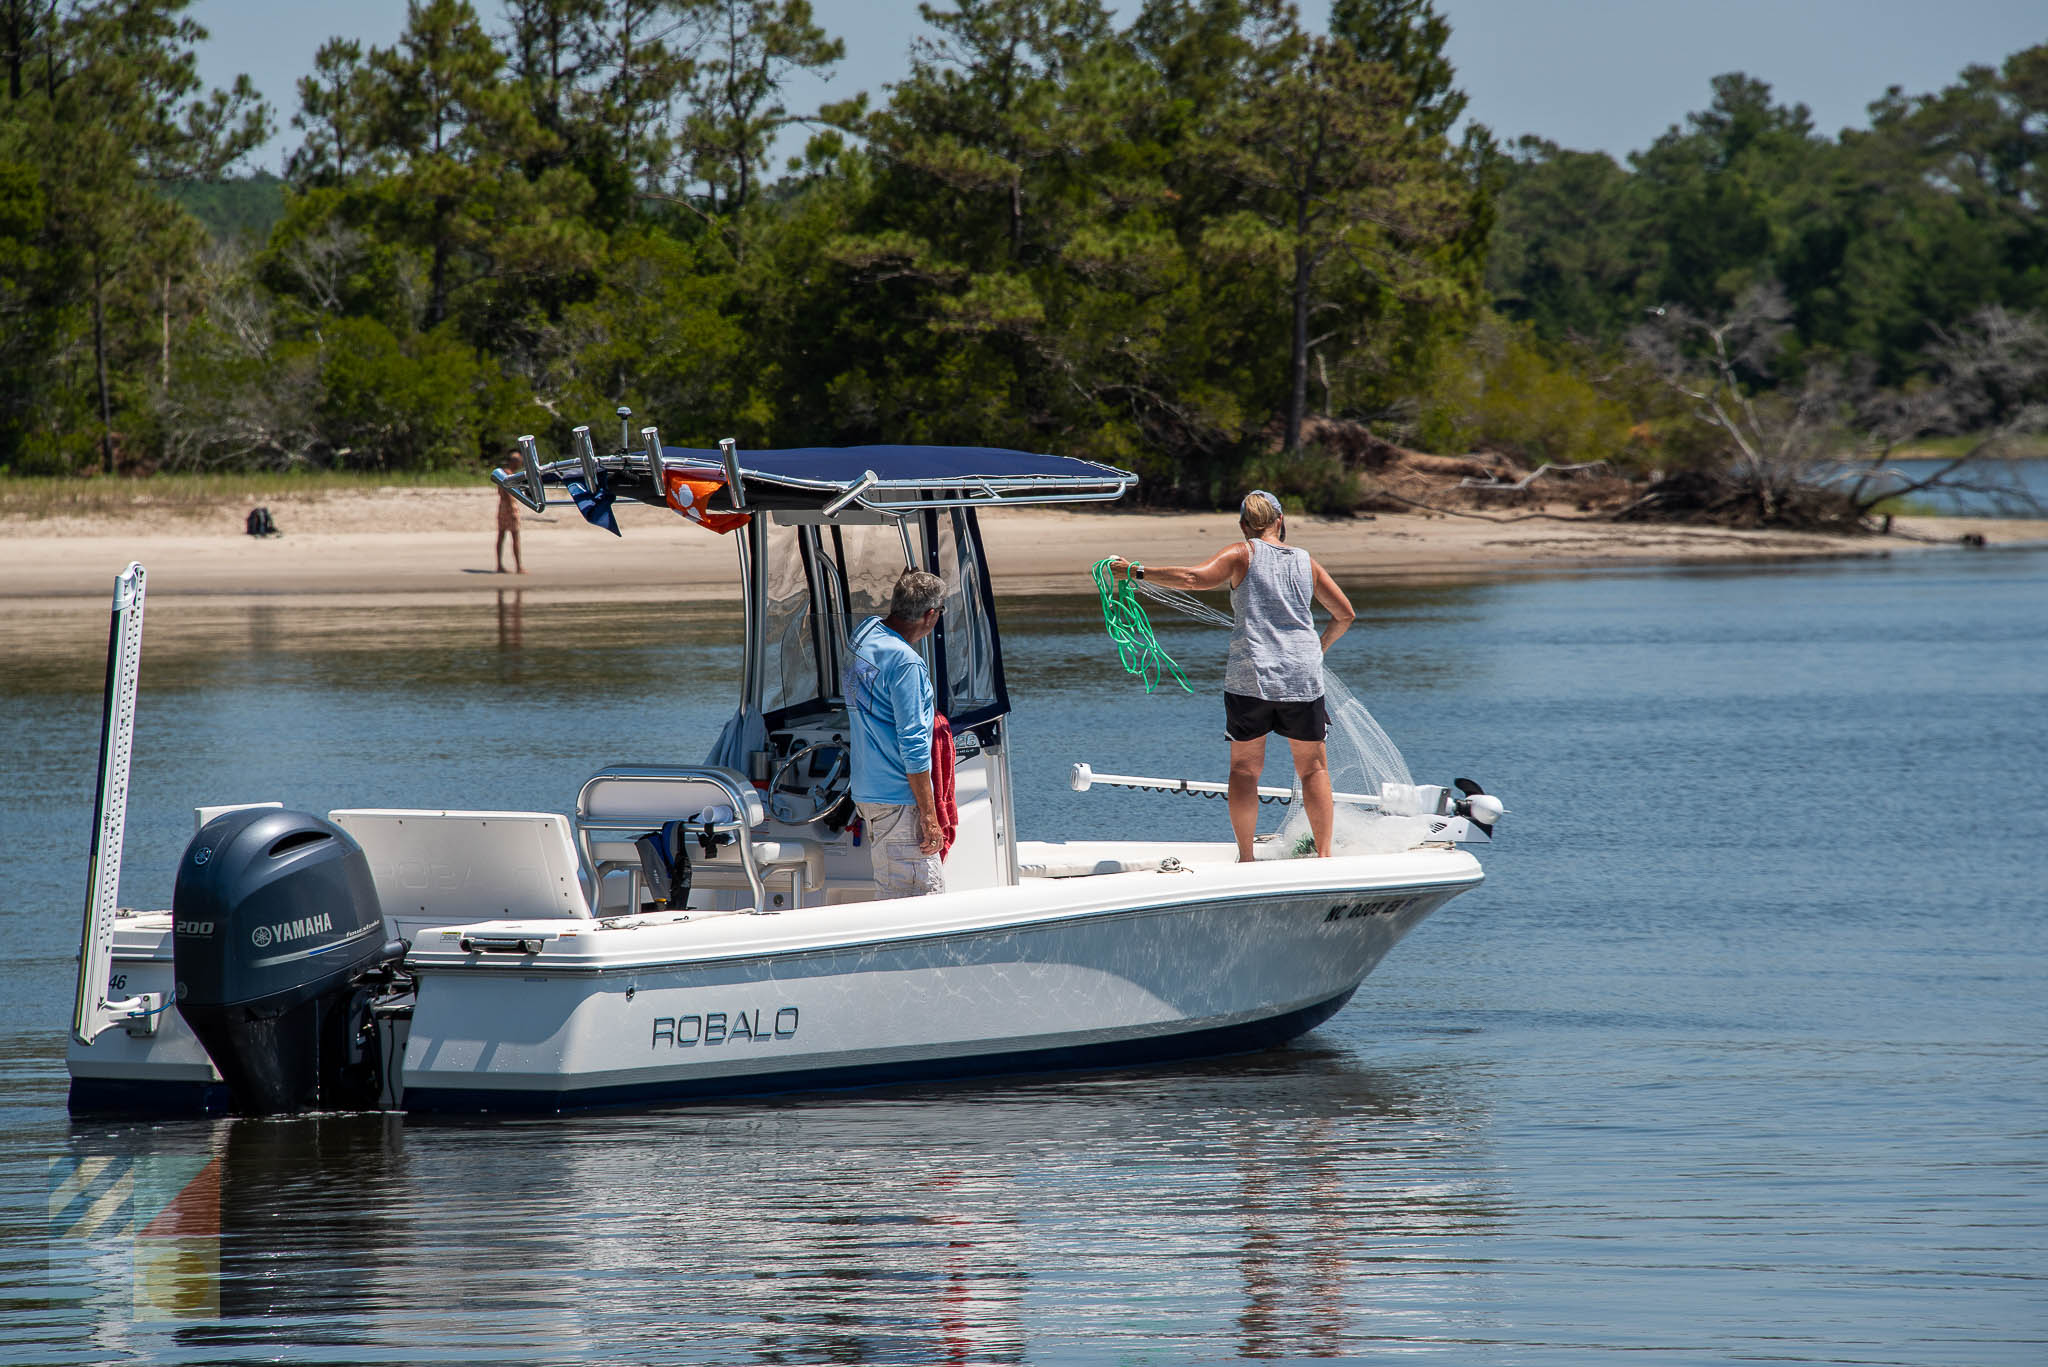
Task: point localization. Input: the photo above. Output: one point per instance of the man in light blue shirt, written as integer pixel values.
(890, 710)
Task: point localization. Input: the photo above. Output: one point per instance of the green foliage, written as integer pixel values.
(754, 45)
(1345, 205)
(1407, 36)
(1566, 255)
(1017, 259)
(404, 403)
(34, 310)
(659, 337)
(1156, 239)
(101, 107)
(1314, 479)
(1881, 238)
(201, 495)
(1501, 392)
(245, 207)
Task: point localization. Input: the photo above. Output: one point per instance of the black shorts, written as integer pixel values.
(1250, 718)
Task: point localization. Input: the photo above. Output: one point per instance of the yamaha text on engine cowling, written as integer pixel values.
(281, 956)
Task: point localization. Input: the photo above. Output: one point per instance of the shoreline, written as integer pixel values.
(437, 543)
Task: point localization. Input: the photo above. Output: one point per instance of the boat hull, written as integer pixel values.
(1119, 970)
(1250, 1036)
(1121, 978)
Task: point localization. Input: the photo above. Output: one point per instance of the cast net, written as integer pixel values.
(1361, 756)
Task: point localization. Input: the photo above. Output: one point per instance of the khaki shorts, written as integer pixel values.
(901, 868)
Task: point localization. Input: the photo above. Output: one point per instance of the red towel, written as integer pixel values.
(942, 782)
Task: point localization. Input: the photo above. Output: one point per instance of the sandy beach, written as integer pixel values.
(438, 542)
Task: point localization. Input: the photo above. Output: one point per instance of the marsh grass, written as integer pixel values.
(1905, 507)
(46, 496)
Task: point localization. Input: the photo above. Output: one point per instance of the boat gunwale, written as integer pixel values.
(473, 962)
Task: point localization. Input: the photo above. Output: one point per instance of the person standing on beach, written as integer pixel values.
(1273, 680)
(508, 514)
(890, 705)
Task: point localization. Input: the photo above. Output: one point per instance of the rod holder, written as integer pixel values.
(587, 454)
(657, 464)
(730, 450)
(860, 486)
(535, 495)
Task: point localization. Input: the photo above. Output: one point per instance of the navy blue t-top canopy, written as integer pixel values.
(934, 466)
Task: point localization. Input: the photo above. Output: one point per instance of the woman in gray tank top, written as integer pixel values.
(1274, 678)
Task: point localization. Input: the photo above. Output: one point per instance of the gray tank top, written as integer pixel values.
(1275, 652)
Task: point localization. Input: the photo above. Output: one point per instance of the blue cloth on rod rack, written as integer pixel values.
(596, 504)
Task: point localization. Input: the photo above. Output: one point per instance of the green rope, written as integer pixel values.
(1123, 617)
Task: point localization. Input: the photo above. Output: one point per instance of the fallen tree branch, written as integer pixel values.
(1468, 482)
(1487, 517)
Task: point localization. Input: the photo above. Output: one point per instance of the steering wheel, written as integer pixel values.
(825, 796)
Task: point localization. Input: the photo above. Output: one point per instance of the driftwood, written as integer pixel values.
(1720, 499)
(1817, 455)
(1546, 468)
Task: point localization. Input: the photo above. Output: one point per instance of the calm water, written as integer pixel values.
(2028, 479)
(1739, 1055)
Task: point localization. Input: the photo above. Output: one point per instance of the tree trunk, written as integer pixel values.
(164, 364)
(1017, 216)
(1297, 353)
(99, 360)
(437, 292)
(17, 40)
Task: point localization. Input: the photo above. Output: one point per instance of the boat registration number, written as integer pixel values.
(1354, 911)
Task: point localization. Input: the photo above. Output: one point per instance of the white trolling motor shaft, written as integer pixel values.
(1457, 817)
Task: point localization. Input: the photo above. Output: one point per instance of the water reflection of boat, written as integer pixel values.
(1299, 1206)
(460, 960)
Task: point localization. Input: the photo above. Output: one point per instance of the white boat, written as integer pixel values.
(489, 960)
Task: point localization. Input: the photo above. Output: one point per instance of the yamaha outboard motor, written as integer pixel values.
(279, 944)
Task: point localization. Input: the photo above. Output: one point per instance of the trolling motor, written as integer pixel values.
(1467, 820)
(1478, 806)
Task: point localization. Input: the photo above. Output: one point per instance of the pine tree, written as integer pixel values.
(1338, 194)
(120, 113)
(749, 49)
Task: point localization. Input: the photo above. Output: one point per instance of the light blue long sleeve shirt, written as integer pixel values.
(890, 708)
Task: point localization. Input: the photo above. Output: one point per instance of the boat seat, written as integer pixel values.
(450, 868)
(620, 804)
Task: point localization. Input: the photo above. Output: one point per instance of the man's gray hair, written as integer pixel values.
(916, 593)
